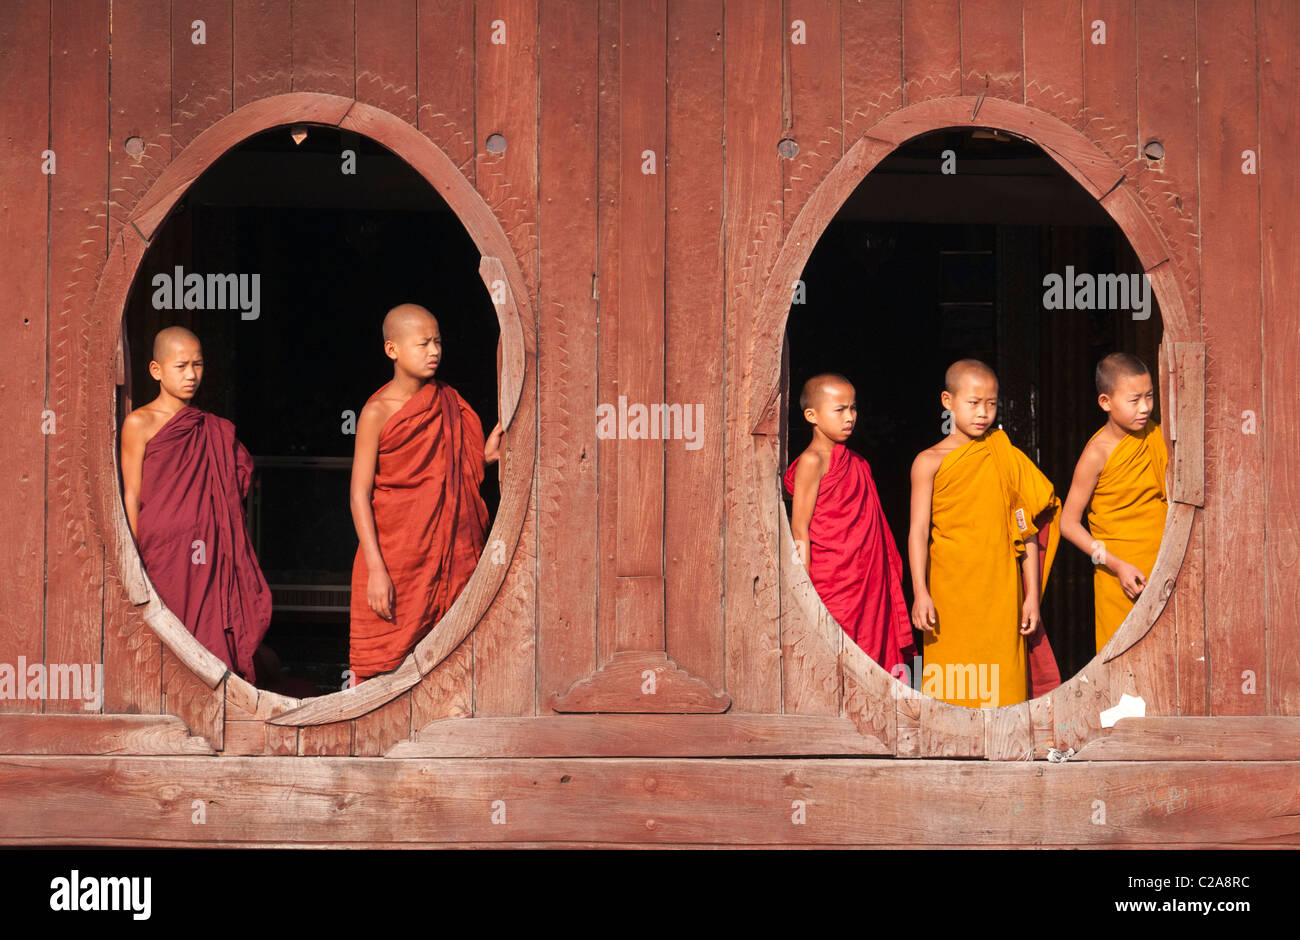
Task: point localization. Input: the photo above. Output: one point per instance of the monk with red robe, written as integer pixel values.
(840, 530)
(184, 479)
(421, 522)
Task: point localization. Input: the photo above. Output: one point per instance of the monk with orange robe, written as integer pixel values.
(1120, 477)
(420, 457)
(839, 527)
(983, 536)
(184, 478)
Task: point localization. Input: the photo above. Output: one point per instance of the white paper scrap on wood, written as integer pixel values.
(1130, 706)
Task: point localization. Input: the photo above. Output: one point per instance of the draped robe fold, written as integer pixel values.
(988, 500)
(192, 535)
(1127, 514)
(853, 561)
(430, 519)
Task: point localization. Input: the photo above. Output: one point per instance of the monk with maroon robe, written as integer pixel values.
(421, 522)
(185, 476)
(840, 530)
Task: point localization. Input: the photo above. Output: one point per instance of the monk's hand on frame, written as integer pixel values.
(924, 616)
(1130, 579)
(380, 594)
(1029, 617)
(492, 448)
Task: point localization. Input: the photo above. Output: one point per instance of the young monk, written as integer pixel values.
(1121, 478)
(982, 539)
(184, 478)
(840, 529)
(420, 457)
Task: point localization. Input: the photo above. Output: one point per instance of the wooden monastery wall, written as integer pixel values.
(659, 286)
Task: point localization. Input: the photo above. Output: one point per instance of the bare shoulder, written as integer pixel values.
(139, 427)
(1096, 452)
(378, 410)
(927, 462)
(812, 463)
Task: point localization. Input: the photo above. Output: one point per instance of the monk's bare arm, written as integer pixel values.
(1029, 613)
(379, 592)
(808, 473)
(924, 467)
(1086, 473)
(134, 429)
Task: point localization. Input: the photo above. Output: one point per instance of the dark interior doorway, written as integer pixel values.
(920, 268)
(334, 251)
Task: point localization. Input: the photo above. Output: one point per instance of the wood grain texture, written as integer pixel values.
(643, 681)
(1189, 622)
(377, 731)
(262, 49)
(447, 691)
(814, 109)
(1199, 738)
(445, 66)
(1235, 559)
(1279, 128)
(693, 339)
(270, 801)
(98, 735)
(324, 46)
(387, 55)
(202, 83)
(333, 740)
(871, 43)
(931, 49)
(641, 736)
(189, 698)
(991, 49)
(78, 197)
(1053, 39)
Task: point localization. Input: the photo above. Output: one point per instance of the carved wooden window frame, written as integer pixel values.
(997, 733)
(517, 397)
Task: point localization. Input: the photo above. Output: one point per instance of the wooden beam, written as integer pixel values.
(733, 735)
(98, 735)
(1268, 738)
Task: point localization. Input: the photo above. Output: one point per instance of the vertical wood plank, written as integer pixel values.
(991, 42)
(189, 699)
(445, 57)
(1279, 129)
(754, 186)
(262, 49)
(202, 73)
(1189, 617)
(1235, 560)
(1053, 40)
(78, 245)
(387, 55)
(506, 100)
(447, 691)
(376, 732)
(324, 46)
(1110, 72)
(814, 111)
(871, 63)
(567, 517)
(640, 512)
(931, 49)
(609, 182)
(24, 231)
(693, 357)
(333, 740)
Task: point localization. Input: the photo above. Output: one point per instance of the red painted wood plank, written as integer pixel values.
(140, 89)
(387, 55)
(607, 254)
(324, 44)
(202, 73)
(753, 182)
(78, 246)
(871, 47)
(24, 214)
(642, 131)
(991, 45)
(931, 49)
(1189, 614)
(446, 79)
(262, 49)
(693, 339)
(1053, 40)
(567, 517)
(814, 117)
(1279, 131)
(1110, 72)
(1235, 559)
(506, 99)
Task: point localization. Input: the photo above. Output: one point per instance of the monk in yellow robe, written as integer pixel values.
(983, 534)
(1120, 477)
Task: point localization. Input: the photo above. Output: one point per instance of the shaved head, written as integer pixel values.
(169, 336)
(1115, 368)
(815, 388)
(963, 369)
(404, 318)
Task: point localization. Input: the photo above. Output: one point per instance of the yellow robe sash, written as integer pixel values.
(988, 499)
(1127, 514)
